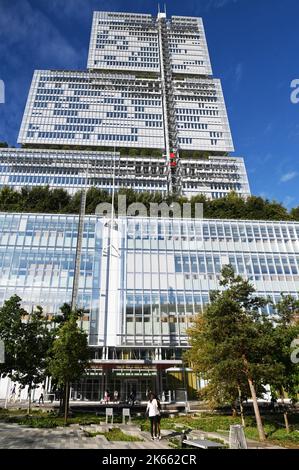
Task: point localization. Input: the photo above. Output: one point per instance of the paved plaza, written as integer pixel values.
(13, 436)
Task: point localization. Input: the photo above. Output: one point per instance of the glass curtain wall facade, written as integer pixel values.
(124, 41)
(148, 86)
(101, 109)
(93, 109)
(213, 176)
(37, 262)
(131, 41)
(142, 280)
(146, 114)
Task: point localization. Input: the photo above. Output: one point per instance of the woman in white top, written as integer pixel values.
(153, 411)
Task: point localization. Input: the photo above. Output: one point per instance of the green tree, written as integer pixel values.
(232, 341)
(44, 199)
(9, 200)
(133, 152)
(59, 200)
(75, 203)
(295, 213)
(11, 314)
(229, 207)
(27, 340)
(94, 197)
(69, 356)
(286, 330)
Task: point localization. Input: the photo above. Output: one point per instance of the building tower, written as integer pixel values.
(146, 114)
(149, 93)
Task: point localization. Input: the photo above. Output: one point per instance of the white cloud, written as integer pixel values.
(268, 128)
(266, 158)
(219, 3)
(201, 6)
(288, 176)
(265, 195)
(223, 3)
(27, 30)
(29, 39)
(238, 73)
(288, 201)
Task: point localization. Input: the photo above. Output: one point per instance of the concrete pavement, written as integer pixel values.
(13, 436)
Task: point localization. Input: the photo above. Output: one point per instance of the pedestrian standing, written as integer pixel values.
(19, 393)
(41, 397)
(13, 394)
(132, 398)
(152, 411)
(106, 397)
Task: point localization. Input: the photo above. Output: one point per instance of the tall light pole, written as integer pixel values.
(79, 241)
(76, 280)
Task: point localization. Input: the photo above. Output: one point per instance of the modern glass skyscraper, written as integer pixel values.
(147, 114)
(148, 89)
(132, 41)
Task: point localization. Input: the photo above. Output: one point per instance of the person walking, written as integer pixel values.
(152, 411)
(42, 394)
(132, 398)
(13, 394)
(106, 397)
(19, 393)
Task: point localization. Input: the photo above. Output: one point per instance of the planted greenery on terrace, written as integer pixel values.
(42, 199)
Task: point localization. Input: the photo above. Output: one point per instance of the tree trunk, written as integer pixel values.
(285, 413)
(29, 400)
(66, 401)
(241, 407)
(7, 393)
(258, 419)
(61, 401)
(286, 421)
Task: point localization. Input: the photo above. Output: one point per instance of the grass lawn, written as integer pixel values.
(115, 434)
(42, 419)
(273, 424)
(204, 422)
(275, 430)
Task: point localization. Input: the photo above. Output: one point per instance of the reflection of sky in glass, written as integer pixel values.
(162, 270)
(37, 260)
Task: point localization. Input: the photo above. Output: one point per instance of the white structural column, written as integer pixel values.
(109, 328)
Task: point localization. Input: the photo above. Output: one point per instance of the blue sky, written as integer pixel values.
(254, 48)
